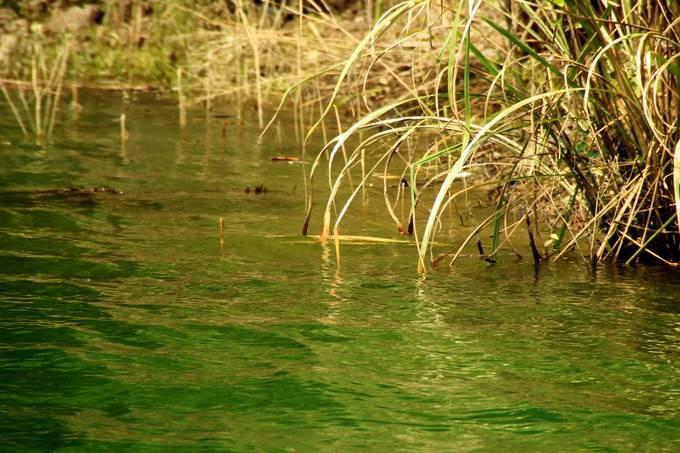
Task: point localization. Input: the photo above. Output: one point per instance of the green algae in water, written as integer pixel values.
(124, 327)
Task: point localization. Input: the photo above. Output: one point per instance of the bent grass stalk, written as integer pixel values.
(676, 182)
(590, 93)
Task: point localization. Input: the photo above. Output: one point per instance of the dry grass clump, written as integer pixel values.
(569, 109)
(259, 50)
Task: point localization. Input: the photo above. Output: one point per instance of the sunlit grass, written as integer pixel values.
(564, 114)
(570, 109)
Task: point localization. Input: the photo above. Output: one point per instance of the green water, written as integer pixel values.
(124, 327)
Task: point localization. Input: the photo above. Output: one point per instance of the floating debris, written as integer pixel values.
(286, 159)
(78, 191)
(257, 190)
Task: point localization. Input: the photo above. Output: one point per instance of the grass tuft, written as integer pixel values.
(566, 112)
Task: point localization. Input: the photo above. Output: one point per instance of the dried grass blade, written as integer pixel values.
(676, 182)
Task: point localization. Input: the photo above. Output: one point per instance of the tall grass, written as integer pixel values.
(256, 52)
(566, 112)
(35, 109)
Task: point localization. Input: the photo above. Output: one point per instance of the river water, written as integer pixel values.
(125, 326)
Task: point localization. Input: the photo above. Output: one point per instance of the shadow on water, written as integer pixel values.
(125, 325)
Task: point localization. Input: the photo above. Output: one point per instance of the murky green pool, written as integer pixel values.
(124, 326)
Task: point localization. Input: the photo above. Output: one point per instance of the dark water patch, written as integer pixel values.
(256, 284)
(251, 337)
(24, 429)
(513, 417)
(18, 179)
(121, 332)
(19, 242)
(44, 377)
(215, 290)
(39, 219)
(321, 333)
(242, 396)
(378, 285)
(31, 289)
(20, 333)
(65, 267)
(39, 393)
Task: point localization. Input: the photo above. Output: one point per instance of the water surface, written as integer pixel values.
(125, 326)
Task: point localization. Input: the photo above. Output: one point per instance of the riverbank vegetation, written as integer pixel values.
(560, 117)
(244, 51)
(113, 44)
(567, 110)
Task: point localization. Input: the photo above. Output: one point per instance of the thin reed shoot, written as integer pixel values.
(35, 109)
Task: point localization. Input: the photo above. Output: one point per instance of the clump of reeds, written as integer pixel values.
(35, 105)
(566, 114)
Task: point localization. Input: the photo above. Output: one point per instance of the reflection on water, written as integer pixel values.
(123, 326)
